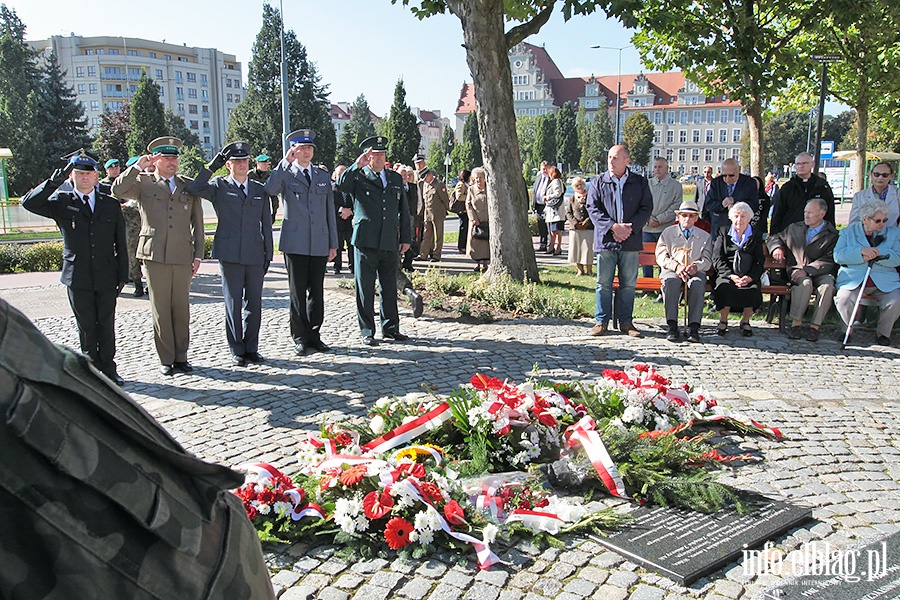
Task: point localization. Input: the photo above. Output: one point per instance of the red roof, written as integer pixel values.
(544, 62)
(466, 102)
(427, 116)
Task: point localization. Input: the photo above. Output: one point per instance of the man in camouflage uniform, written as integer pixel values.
(261, 174)
(132, 222)
(97, 500)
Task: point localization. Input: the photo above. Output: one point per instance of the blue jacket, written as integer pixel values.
(244, 231)
(309, 226)
(637, 205)
(847, 253)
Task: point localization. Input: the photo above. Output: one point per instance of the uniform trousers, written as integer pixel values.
(371, 262)
(306, 279)
(344, 234)
(432, 239)
(170, 295)
(888, 303)
(802, 291)
(672, 288)
(242, 290)
(95, 314)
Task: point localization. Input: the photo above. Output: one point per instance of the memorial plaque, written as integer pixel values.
(871, 572)
(684, 545)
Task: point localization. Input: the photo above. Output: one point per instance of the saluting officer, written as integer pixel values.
(171, 245)
(95, 256)
(381, 233)
(132, 222)
(308, 236)
(242, 244)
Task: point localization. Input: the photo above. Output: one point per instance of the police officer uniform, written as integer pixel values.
(171, 239)
(308, 234)
(95, 259)
(257, 174)
(380, 225)
(243, 247)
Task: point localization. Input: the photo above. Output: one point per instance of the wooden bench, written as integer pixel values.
(779, 295)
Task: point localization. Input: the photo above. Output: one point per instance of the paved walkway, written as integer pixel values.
(839, 413)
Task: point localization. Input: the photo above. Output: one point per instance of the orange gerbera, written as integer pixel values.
(396, 532)
(354, 475)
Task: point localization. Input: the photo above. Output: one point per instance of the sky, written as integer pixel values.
(359, 46)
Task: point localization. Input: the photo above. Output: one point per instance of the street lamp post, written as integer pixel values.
(618, 83)
(824, 59)
(285, 106)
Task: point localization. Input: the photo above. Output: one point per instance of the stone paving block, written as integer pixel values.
(580, 587)
(371, 592)
(306, 564)
(482, 591)
(523, 580)
(301, 592)
(593, 574)
(445, 591)
(607, 560)
(510, 595)
(366, 567)
(646, 592)
(610, 592)
(560, 571)
(623, 579)
(285, 578)
(416, 588)
(547, 586)
(316, 580)
(432, 569)
(349, 581)
(460, 579)
(494, 576)
(331, 593)
(386, 579)
(728, 588)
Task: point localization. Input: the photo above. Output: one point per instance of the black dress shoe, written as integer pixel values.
(167, 369)
(672, 335)
(138, 291)
(397, 337)
(183, 366)
(369, 340)
(882, 340)
(254, 357)
(114, 377)
(319, 345)
(238, 360)
(300, 348)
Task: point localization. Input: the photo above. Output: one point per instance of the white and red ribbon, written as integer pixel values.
(410, 431)
(536, 520)
(583, 433)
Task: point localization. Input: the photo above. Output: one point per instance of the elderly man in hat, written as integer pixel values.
(171, 245)
(242, 245)
(95, 256)
(381, 233)
(261, 174)
(684, 253)
(308, 236)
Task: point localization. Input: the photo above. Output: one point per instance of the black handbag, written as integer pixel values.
(480, 232)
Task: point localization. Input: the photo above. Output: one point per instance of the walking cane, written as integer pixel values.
(862, 292)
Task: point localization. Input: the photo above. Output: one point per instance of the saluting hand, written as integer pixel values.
(145, 161)
(364, 159)
(291, 153)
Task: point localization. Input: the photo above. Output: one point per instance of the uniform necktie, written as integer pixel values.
(243, 191)
(306, 175)
(171, 185)
(87, 203)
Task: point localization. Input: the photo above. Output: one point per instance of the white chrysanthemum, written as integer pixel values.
(263, 509)
(434, 519)
(566, 510)
(618, 424)
(490, 533)
(283, 508)
(633, 414)
(361, 522)
(383, 402)
(346, 523)
(661, 404)
(422, 522)
(682, 412)
(377, 424)
(425, 537)
(662, 423)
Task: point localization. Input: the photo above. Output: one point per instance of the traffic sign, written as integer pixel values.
(826, 150)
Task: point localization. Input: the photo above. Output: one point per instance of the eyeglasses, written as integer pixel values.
(729, 175)
(803, 162)
(879, 221)
(877, 174)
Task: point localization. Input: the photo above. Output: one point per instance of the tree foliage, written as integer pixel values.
(544, 139)
(839, 129)
(147, 117)
(637, 135)
(357, 129)
(567, 151)
(526, 127)
(112, 135)
(64, 125)
(401, 128)
(258, 118)
(174, 125)
(20, 129)
(473, 157)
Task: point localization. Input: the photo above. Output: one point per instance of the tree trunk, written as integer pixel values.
(754, 126)
(512, 250)
(862, 141)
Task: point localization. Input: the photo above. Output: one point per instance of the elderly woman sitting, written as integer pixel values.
(738, 259)
(859, 245)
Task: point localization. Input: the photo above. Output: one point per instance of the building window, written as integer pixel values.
(92, 88)
(710, 136)
(204, 94)
(227, 82)
(134, 73)
(101, 51)
(682, 153)
(669, 154)
(205, 124)
(695, 154)
(89, 52)
(95, 122)
(182, 59)
(179, 76)
(82, 88)
(79, 71)
(192, 109)
(132, 53)
(735, 154)
(682, 136)
(192, 77)
(723, 136)
(159, 74)
(670, 136)
(736, 136)
(192, 92)
(205, 139)
(114, 105)
(204, 80)
(707, 155)
(113, 50)
(696, 115)
(670, 117)
(162, 91)
(229, 98)
(695, 136)
(683, 117)
(92, 71)
(237, 98)
(168, 57)
(205, 111)
(738, 117)
(723, 116)
(95, 105)
(710, 117)
(194, 125)
(180, 107)
(656, 136)
(179, 92)
(721, 154)
(520, 79)
(657, 117)
(151, 54)
(112, 71)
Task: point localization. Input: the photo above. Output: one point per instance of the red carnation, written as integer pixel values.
(396, 532)
(641, 367)
(483, 382)
(344, 438)
(454, 513)
(251, 512)
(267, 496)
(377, 505)
(431, 492)
(354, 475)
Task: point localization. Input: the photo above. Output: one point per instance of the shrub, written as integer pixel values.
(438, 282)
(436, 303)
(504, 293)
(464, 309)
(43, 256)
(532, 225)
(485, 316)
(207, 246)
(346, 284)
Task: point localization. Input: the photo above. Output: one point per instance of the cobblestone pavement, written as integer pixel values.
(839, 414)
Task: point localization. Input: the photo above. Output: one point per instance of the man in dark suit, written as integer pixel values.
(308, 236)
(381, 233)
(809, 250)
(242, 244)
(727, 190)
(343, 206)
(95, 255)
(537, 203)
(789, 202)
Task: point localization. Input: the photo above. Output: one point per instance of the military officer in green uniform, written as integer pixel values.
(381, 233)
(132, 222)
(261, 174)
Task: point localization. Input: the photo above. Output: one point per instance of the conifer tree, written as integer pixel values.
(401, 128)
(567, 151)
(64, 125)
(112, 134)
(358, 128)
(473, 156)
(147, 117)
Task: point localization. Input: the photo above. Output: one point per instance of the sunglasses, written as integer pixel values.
(876, 174)
(729, 176)
(879, 221)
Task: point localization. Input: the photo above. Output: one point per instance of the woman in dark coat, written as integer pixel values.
(738, 259)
